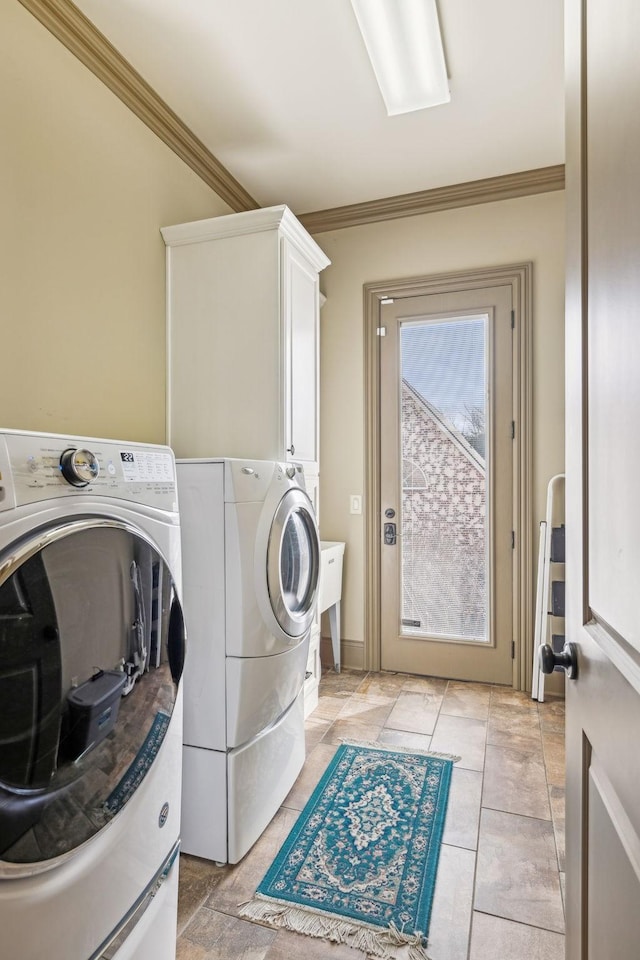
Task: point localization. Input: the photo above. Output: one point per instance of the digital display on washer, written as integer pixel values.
(91, 653)
(147, 466)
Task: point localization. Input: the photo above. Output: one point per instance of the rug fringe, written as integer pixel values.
(388, 944)
(393, 748)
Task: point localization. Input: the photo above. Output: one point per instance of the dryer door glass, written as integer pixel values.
(91, 653)
(294, 563)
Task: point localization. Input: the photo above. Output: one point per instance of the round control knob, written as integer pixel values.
(79, 467)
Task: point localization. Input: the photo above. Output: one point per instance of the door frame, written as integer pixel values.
(519, 277)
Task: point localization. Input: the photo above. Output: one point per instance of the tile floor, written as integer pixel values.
(499, 890)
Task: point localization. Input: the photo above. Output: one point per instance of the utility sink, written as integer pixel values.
(330, 591)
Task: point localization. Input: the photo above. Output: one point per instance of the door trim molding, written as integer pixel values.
(519, 277)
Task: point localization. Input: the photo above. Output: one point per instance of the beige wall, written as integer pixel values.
(512, 231)
(84, 190)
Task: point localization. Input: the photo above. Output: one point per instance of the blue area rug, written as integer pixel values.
(359, 865)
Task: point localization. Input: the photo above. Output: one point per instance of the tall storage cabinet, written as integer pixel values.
(243, 322)
(243, 306)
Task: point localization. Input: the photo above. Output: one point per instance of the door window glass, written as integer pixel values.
(91, 653)
(445, 518)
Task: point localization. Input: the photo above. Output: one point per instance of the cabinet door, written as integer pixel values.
(301, 375)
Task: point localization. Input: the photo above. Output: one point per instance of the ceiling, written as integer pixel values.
(283, 94)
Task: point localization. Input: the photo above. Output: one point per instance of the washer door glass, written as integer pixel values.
(293, 563)
(91, 653)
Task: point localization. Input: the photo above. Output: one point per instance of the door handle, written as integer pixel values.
(390, 534)
(567, 659)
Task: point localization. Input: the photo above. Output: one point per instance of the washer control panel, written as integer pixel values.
(35, 467)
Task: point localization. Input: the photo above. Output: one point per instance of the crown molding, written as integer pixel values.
(72, 28)
(248, 222)
(80, 36)
(523, 184)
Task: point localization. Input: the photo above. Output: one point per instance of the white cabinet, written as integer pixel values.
(242, 351)
(301, 308)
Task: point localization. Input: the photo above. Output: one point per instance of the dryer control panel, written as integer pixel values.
(36, 467)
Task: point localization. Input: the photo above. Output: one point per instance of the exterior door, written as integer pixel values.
(603, 464)
(446, 481)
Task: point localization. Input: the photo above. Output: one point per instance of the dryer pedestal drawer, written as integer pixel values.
(260, 776)
(230, 798)
(260, 689)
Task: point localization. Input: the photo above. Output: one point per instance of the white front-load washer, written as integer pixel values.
(91, 653)
(251, 561)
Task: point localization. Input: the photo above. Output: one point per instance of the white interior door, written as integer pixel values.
(603, 463)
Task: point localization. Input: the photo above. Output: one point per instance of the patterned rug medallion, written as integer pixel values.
(359, 865)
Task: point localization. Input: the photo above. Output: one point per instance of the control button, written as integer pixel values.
(248, 470)
(111, 469)
(32, 464)
(291, 472)
(79, 467)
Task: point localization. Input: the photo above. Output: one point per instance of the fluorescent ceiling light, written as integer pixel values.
(403, 41)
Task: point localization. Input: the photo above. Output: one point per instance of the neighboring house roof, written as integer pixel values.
(446, 428)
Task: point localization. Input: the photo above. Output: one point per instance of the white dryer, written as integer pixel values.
(251, 561)
(91, 653)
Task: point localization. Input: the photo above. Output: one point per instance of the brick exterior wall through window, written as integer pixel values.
(444, 545)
